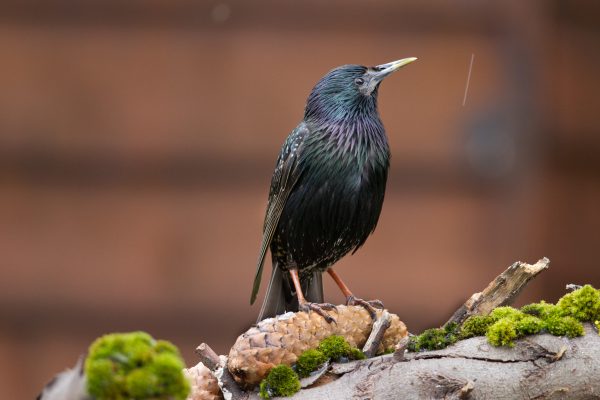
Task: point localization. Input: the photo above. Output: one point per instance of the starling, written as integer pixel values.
(327, 190)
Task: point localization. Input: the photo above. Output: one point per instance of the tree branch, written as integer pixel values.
(540, 366)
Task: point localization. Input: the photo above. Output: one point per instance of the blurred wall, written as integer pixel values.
(137, 141)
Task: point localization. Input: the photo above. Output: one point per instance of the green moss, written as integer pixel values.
(357, 354)
(430, 339)
(506, 312)
(506, 330)
(597, 323)
(142, 384)
(506, 324)
(434, 339)
(336, 348)
(476, 325)
(558, 320)
(281, 381)
(582, 304)
(502, 333)
(529, 325)
(163, 346)
(103, 379)
(134, 366)
(309, 361)
(541, 310)
(564, 326)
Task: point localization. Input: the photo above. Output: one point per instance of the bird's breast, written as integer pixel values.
(336, 203)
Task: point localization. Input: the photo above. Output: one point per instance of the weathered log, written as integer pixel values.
(537, 367)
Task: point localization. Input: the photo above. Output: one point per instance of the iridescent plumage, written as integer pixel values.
(328, 186)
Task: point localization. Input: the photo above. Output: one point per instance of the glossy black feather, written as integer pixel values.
(329, 182)
(287, 173)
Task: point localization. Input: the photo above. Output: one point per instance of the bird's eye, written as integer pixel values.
(359, 81)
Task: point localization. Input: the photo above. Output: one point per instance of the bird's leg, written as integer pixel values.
(304, 305)
(351, 299)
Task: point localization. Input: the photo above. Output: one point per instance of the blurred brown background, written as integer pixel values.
(138, 138)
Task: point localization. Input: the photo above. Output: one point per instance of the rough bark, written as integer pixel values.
(538, 367)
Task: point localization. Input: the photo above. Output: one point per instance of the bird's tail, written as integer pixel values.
(281, 296)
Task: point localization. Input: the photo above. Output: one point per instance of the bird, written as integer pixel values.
(326, 192)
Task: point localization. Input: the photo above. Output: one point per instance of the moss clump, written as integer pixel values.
(541, 310)
(332, 348)
(337, 348)
(309, 361)
(357, 354)
(134, 366)
(435, 338)
(141, 384)
(281, 381)
(502, 333)
(564, 326)
(499, 313)
(506, 324)
(476, 325)
(582, 304)
(529, 325)
(562, 319)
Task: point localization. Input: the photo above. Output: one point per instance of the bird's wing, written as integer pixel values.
(287, 172)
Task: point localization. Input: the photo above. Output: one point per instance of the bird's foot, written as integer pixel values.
(319, 308)
(370, 305)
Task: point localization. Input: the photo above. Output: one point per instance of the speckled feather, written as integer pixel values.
(329, 182)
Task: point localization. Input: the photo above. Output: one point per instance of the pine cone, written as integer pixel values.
(282, 339)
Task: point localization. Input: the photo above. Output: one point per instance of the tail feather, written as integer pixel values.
(281, 298)
(275, 298)
(314, 288)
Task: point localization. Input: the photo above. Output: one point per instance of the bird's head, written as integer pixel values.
(348, 90)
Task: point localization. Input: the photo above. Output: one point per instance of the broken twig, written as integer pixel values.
(501, 291)
(379, 327)
(208, 356)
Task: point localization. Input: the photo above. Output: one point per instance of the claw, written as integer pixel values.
(367, 305)
(377, 304)
(319, 308)
(328, 306)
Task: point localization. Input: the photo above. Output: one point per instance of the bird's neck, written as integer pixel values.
(331, 115)
(346, 125)
(360, 136)
(323, 109)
